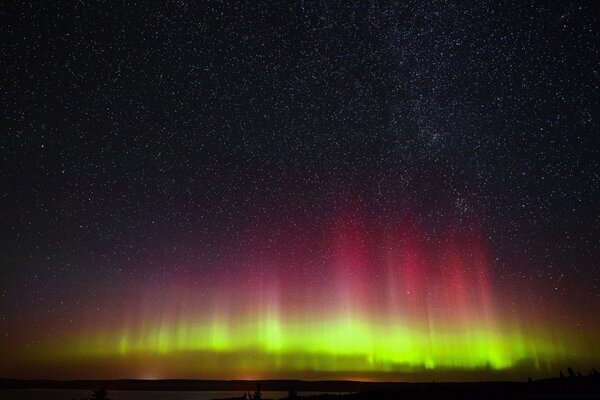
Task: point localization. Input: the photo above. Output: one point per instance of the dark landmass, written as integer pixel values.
(565, 387)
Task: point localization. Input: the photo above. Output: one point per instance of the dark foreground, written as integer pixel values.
(574, 387)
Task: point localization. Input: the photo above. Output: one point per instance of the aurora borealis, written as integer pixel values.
(300, 191)
(385, 301)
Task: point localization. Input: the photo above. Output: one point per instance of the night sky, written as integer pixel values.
(333, 189)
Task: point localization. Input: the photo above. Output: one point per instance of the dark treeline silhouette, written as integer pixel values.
(100, 394)
(575, 386)
(572, 385)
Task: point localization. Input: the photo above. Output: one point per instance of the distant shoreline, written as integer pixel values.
(572, 386)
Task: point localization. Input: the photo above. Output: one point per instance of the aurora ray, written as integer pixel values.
(391, 301)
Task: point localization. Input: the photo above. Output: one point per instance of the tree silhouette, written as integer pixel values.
(257, 393)
(292, 394)
(100, 394)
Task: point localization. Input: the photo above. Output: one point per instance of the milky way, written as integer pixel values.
(300, 190)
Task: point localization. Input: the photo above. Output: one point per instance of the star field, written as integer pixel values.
(149, 150)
